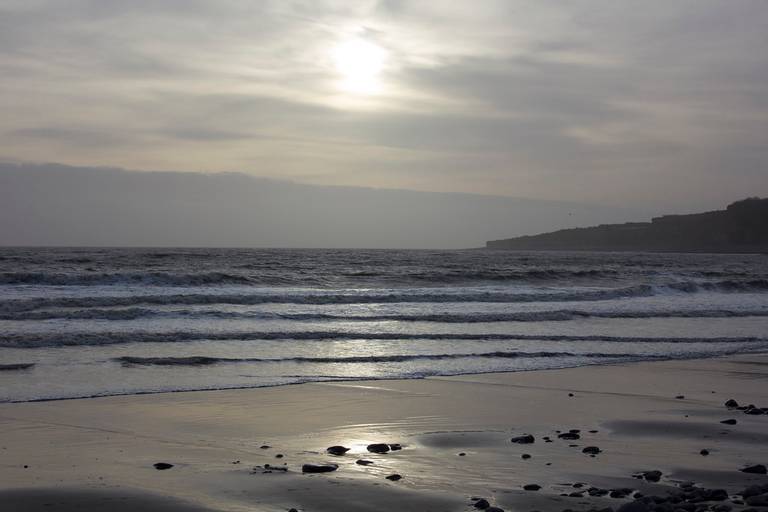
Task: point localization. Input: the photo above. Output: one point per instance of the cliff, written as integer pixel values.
(741, 227)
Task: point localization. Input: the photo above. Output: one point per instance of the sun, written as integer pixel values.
(360, 62)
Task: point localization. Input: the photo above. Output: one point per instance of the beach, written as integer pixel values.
(238, 450)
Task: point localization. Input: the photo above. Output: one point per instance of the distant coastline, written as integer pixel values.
(741, 228)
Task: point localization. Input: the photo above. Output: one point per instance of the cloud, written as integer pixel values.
(585, 100)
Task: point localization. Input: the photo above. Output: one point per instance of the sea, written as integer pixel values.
(86, 322)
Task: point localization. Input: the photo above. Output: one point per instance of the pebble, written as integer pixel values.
(524, 439)
(337, 450)
(363, 462)
(318, 468)
(757, 469)
(729, 422)
(394, 478)
(378, 448)
(162, 465)
(531, 487)
(592, 450)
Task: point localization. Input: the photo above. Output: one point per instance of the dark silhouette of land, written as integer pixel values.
(741, 227)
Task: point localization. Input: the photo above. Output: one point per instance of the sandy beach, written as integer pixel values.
(243, 450)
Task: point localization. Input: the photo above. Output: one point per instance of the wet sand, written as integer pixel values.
(455, 433)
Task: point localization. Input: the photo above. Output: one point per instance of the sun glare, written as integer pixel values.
(360, 63)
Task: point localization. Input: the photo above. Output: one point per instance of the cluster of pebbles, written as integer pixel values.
(686, 497)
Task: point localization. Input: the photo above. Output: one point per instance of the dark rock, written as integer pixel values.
(597, 492)
(378, 448)
(570, 394)
(594, 431)
(592, 450)
(704, 452)
(757, 469)
(531, 487)
(462, 454)
(525, 456)
(680, 397)
(162, 465)
(525, 439)
(393, 478)
(569, 436)
(279, 456)
(395, 446)
(576, 495)
(363, 462)
(482, 504)
(318, 468)
(729, 422)
(494, 509)
(754, 411)
(292, 510)
(651, 476)
(337, 450)
(731, 404)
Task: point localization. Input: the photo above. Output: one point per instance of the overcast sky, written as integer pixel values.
(654, 104)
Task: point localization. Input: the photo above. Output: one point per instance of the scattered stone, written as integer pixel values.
(462, 454)
(363, 462)
(292, 510)
(531, 487)
(337, 450)
(570, 394)
(704, 452)
(265, 447)
(235, 462)
(680, 397)
(494, 509)
(751, 409)
(395, 446)
(730, 421)
(650, 476)
(279, 456)
(731, 404)
(162, 465)
(757, 469)
(594, 431)
(524, 439)
(393, 478)
(569, 436)
(591, 450)
(318, 468)
(525, 456)
(482, 504)
(378, 448)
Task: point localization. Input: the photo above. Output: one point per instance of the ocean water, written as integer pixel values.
(91, 322)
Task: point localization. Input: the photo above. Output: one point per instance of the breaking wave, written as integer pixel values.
(205, 360)
(52, 339)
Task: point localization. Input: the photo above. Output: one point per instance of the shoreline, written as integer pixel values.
(215, 440)
(655, 359)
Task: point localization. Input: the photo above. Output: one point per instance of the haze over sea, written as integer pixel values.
(119, 321)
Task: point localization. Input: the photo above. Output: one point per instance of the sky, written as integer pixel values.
(657, 105)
